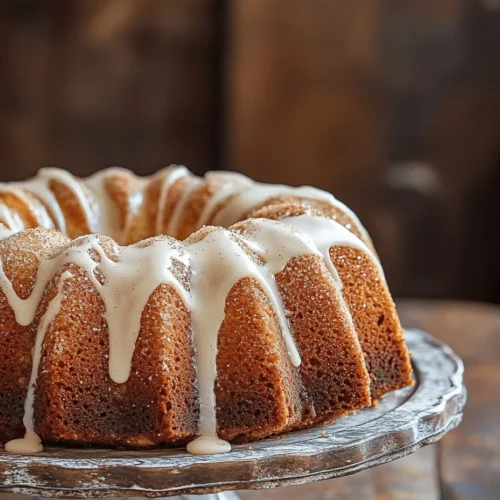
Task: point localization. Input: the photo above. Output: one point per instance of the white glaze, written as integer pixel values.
(231, 183)
(25, 309)
(173, 225)
(109, 216)
(5, 233)
(91, 212)
(323, 233)
(218, 262)
(36, 208)
(126, 279)
(251, 194)
(169, 176)
(236, 196)
(31, 442)
(40, 188)
(127, 286)
(100, 211)
(135, 201)
(10, 218)
(208, 445)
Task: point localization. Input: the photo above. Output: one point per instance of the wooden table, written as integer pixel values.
(466, 463)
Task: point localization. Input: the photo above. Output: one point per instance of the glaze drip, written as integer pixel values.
(31, 442)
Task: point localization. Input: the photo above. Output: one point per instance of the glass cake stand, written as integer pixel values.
(403, 422)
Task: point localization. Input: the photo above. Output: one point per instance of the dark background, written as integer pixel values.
(394, 106)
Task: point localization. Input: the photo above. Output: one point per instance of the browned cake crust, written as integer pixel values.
(260, 394)
(332, 368)
(199, 198)
(120, 187)
(77, 401)
(76, 221)
(375, 319)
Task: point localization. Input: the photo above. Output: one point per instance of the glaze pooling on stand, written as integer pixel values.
(125, 278)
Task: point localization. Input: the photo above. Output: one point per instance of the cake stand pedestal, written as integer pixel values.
(403, 422)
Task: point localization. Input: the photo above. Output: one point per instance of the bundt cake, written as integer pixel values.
(127, 321)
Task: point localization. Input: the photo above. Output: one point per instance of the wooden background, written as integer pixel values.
(392, 105)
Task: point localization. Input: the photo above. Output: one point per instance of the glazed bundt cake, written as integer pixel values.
(174, 310)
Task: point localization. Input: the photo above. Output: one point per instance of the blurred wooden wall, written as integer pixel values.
(87, 83)
(392, 105)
